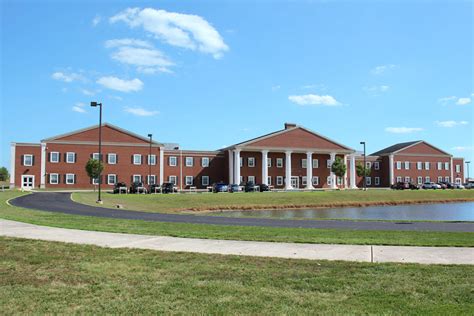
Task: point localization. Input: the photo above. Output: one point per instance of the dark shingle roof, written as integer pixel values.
(394, 148)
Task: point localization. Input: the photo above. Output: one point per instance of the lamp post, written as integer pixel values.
(365, 167)
(149, 162)
(467, 167)
(96, 104)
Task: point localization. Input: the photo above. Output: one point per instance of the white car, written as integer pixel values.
(431, 185)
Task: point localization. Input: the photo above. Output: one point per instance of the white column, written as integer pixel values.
(237, 166)
(162, 165)
(345, 173)
(452, 170)
(390, 162)
(231, 167)
(12, 165)
(332, 174)
(265, 167)
(288, 170)
(309, 170)
(353, 172)
(43, 166)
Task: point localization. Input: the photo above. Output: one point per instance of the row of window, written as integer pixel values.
(188, 161)
(279, 162)
(419, 180)
(420, 165)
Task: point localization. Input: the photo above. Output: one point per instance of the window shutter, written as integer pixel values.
(59, 178)
(116, 158)
(74, 177)
(32, 160)
(59, 157)
(22, 160)
(49, 158)
(107, 158)
(132, 160)
(74, 157)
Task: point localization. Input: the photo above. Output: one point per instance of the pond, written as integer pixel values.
(425, 212)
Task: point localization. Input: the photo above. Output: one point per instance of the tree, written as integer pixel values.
(94, 168)
(360, 170)
(4, 175)
(339, 168)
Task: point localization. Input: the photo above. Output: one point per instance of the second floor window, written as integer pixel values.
(28, 160)
(279, 162)
(152, 160)
(205, 161)
(54, 156)
(172, 161)
(376, 165)
(112, 159)
(70, 157)
(251, 162)
(189, 161)
(137, 159)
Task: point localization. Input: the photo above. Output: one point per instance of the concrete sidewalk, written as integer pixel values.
(425, 255)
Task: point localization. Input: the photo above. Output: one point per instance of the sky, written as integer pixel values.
(208, 74)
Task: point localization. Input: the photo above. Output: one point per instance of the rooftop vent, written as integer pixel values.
(289, 125)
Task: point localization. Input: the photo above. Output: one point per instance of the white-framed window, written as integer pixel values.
(377, 180)
(399, 179)
(304, 164)
(95, 181)
(269, 180)
(112, 158)
(458, 168)
(151, 179)
(70, 157)
(407, 179)
(251, 179)
(399, 165)
(315, 180)
(339, 180)
(329, 180)
(419, 165)
(241, 179)
(440, 179)
(95, 156)
(368, 180)
(279, 162)
(368, 165)
(427, 179)
(70, 178)
(137, 178)
(173, 161)
(420, 180)
(205, 162)
(376, 165)
(53, 178)
(427, 165)
(279, 180)
(137, 159)
(440, 165)
(152, 160)
(446, 166)
(205, 180)
(251, 162)
(173, 179)
(447, 179)
(458, 181)
(54, 157)
(303, 180)
(328, 163)
(269, 162)
(315, 163)
(189, 162)
(189, 180)
(241, 161)
(407, 165)
(111, 178)
(28, 160)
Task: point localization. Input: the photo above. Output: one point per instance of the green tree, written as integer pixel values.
(94, 168)
(339, 168)
(4, 175)
(361, 171)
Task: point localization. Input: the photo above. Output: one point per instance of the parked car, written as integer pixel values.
(458, 186)
(168, 187)
(250, 187)
(442, 185)
(448, 185)
(264, 187)
(430, 185)
(469, 185)
(413, 186)
(234, 188)
(137, 187)
(120, 187)
(220, 187)
(400, 186)
(154, 188)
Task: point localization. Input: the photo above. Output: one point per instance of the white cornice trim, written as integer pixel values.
(62, 142)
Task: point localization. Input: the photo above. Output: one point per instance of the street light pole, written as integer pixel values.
(96, 104)
(467, 167)
(149, 161)
(365, 168)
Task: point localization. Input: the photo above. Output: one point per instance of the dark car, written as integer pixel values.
(154, 188)
(219, 187)
(400, 186)
(120, 187)
(264, 188)
(168, 187)
(137, 187)
(234, 188)
(250, 187)
(443, 185)
(448, 185)
(413, 186)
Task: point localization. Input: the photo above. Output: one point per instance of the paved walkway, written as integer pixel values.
(425, 255)
(62, 203)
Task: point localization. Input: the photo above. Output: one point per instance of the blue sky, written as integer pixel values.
(212, 73)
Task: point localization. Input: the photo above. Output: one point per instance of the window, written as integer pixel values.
(269, 162)
(329, 180)
(407, 180)
(376, 165)
(368, 165)
(151, 179)
(304, 164)
(458, 180)
(241, 161)
(111, 179)
(420, 180)
(137, 159)
(407, 165)
(279, 180)
(269, 180)
(440, 179)
(205, 180)
(95, 181)
(368, 180)
(427, 165)
(251, 179)
(189, 162)
(70, 178)
(377, 180)
(399, 179)
(172, 179)
(315, 181)
(279, 162)
(315, 163)
(427, 179)
(53, 178)
(339, 180)
(70, 157)
(189, 180)
(303, 181)
(446, 166)
(328, 163)
(151, 160)
(205, 162)
(28, 160)
(137, 178)
(251, 161)
(112, 159)
(399, 165)
(440, 165)
(447, 179)
(54, 157)
(172, 161)
(95, 156)
(458, 168)
(241, 179)
(419, 165)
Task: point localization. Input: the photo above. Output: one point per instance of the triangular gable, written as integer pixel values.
(421, 148)
(110, 133)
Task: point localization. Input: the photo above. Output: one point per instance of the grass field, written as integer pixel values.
(38, 277)
(269, 200)
(299, 235)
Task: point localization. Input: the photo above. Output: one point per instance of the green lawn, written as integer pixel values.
(299, 235)
(38, 277)
(268, 200)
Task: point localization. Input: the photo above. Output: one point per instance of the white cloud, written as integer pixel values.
(115, 97)
(463, 148)
(96, 20)
(320, 86)
(403, 130)
(313, 99)
(138, 111)
(450, 123)
(451, 99)
(127, 42)
(463, 101)
(382, 68)
(67, 77)
(118, 84)
(376, 90)
(79, 107)
(446, 100)
(177, 29)
(276, 87)
(87, 92)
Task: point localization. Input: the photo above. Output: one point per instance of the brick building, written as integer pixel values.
(295, 153)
